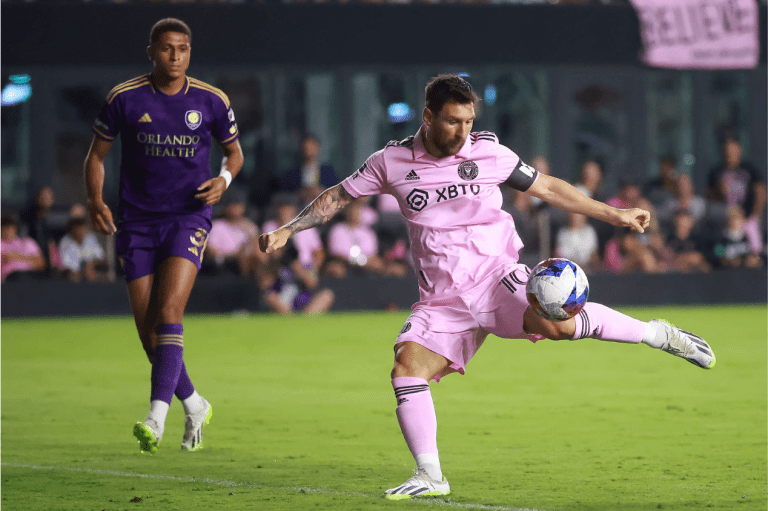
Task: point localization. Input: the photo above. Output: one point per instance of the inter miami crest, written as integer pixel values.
(468, 170)
(193, 118)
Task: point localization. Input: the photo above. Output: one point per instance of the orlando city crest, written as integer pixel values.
(468, 170)
(193, 118)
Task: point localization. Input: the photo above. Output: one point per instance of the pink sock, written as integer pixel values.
(599, 322)
(418, 422)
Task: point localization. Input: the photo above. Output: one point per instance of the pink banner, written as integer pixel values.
(699, 34)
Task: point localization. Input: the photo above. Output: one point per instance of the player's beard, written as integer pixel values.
(451, 147)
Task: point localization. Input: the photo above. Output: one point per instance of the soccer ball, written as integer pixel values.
(557, 289)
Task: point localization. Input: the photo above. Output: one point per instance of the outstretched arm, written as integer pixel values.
(564, 196)
(319, 211)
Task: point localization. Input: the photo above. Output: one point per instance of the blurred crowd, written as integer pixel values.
(720, 227)
(522, 2)
(689, 232)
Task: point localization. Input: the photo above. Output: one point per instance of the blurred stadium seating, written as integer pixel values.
(561, 80)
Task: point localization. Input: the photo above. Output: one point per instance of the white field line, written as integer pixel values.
(238, 484)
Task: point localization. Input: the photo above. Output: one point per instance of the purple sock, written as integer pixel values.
(166, 368)
(184, 388)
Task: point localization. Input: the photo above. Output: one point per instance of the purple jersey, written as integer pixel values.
(166, 143)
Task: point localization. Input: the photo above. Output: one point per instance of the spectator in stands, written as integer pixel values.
(737, 183)
(630, 196)
(684, 199)
(46, 223)
(590, 181)
(578, 242)
(289, 287)
(391, 229)
(20, 256)
(734, 249)
(35, 215)
(82, 256)
(233, 244)
(627, 253)
(520, 206)
(353, 245)
(311, 177)
(308, 243)
(687, 251)
(662, 189)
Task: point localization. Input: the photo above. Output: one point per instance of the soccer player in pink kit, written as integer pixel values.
(465, 250)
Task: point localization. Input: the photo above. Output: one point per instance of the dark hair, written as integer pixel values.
(8, 221)
(669, 160)
(310, 136)
(168, 25)
(77, 221)
(444, 88)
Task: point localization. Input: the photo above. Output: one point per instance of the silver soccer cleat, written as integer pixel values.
(193, 428)
(684, 344)
(420, 485)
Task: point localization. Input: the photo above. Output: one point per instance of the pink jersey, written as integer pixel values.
(351, 242)
(458, 231)
(227, 238)
(23, 246)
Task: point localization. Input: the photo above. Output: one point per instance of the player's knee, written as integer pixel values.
(412, 359)
(554, 330)
(558, 331)
(406, 362)
(171, 313)
(405, 367)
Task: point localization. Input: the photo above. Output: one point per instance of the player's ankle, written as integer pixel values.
(654, 336)
(430, 463)
(193, 403)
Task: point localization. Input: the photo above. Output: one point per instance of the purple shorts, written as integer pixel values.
(142, 246)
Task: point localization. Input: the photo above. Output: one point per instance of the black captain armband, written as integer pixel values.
(522, 176)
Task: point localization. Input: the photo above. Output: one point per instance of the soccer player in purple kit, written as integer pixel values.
(465, 252)
(166, 121)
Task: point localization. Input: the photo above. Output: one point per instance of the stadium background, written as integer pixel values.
(563, 81)
(304, 409)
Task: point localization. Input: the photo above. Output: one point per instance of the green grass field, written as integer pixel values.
(304, 418)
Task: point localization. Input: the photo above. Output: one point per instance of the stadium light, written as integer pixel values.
(18, 91)
(490, 94)
(400, 112)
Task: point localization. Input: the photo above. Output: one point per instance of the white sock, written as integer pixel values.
(431, 465)
(158, 411)
(655, 335)
(193, 403)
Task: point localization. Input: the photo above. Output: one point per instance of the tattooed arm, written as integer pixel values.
(318, 212)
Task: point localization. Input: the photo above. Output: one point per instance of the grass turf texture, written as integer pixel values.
(304, 418)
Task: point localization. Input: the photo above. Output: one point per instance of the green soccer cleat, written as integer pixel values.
(687, 345)
(193, 428)
(148, 434)
(420, 485)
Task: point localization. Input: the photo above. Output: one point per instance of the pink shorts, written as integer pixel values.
(456, 327)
